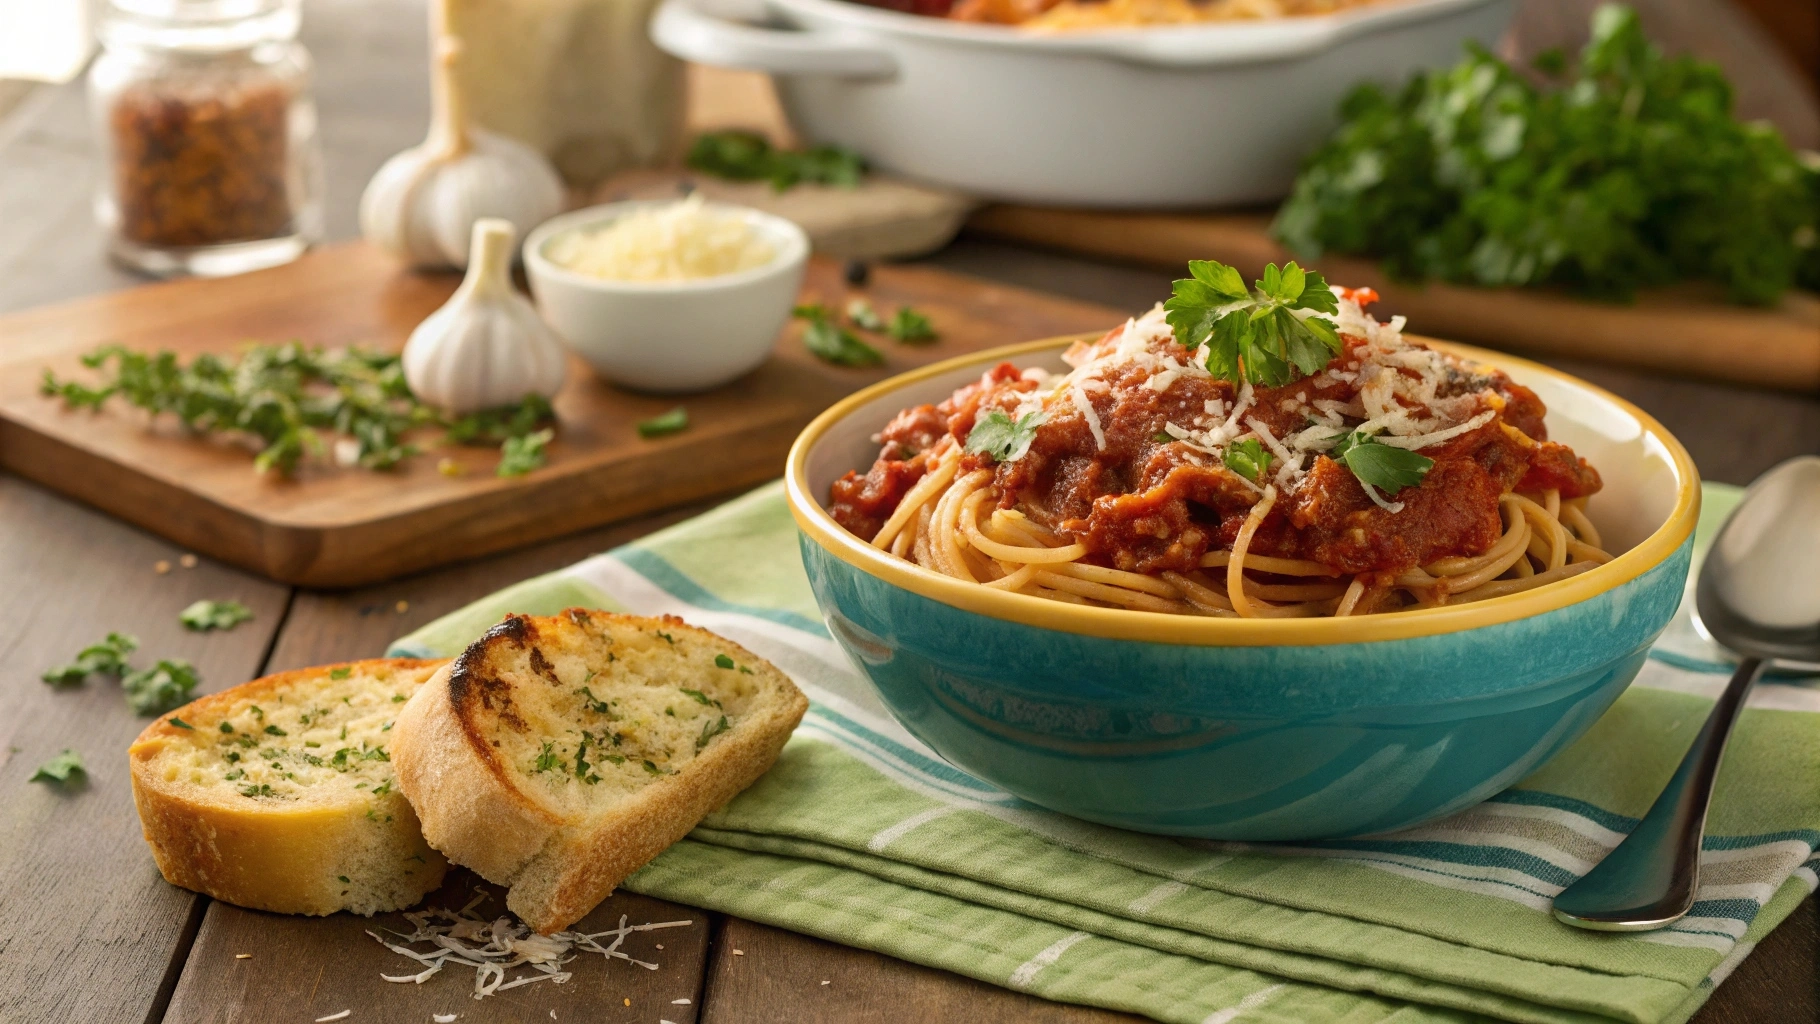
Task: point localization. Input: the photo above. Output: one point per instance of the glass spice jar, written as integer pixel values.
(208, 132)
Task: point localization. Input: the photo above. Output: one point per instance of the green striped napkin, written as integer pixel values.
(862, 835)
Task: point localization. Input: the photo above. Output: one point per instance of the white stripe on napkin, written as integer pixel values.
(1029, 969)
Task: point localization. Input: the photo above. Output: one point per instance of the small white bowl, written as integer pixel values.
(669, 336)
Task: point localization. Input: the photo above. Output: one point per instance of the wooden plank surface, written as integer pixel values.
(760, 975)
(83, 899)
(331, 526)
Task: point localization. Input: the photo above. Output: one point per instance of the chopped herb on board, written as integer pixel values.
(749, 156)
(832, 343)
(674, 421)
(908, 327)
(520, 455)
(1255, 334)
(205, 615)
(996, 435)
(60, 769)
(286, 398)
(1383, 466)
(105, 658)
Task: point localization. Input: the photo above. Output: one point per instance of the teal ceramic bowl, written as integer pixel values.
(1248, 729)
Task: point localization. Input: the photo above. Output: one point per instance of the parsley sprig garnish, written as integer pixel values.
(205, 615)
(1386, 467)
(60, 769)
(749, 156)
(1255, 333)
(105, 658)
(995, 434)
(1249, 459)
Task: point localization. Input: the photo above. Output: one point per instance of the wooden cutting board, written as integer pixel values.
(330, 526)
(1689, 331)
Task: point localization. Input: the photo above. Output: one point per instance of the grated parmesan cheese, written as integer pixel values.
(680, 241)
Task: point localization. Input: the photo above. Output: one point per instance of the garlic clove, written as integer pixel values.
(423, 203)
(486, 347)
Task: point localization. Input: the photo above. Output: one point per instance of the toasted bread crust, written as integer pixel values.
(277, 858)
(474, 809)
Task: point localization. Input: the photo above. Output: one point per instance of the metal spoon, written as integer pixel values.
(1759, 595)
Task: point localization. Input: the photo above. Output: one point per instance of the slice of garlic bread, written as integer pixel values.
(558, 754)
(279, 794)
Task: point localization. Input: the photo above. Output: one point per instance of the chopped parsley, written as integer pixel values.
(105, 658)
(263, 789)
(1379, 465)
(60, 769)
(720, 661)
(700, 697)
(179, 723)
(653, 769)
(340, 673)
(832, 343)
(519, 455)
(711, 730)
(227, 727)
(205, 615)
(155, 690)
(748, 156)
(672, 422)
(272, 730)
(908, 327)
(398, 698)
(996, 435)
(666, 638)
(596, 705)
(1255, 333)
(1249, 459)
(1623, 169)
(547, 759)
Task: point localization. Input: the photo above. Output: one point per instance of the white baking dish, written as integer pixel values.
(1147, 117)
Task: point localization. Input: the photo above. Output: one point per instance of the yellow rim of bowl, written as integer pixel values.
(1123, 624)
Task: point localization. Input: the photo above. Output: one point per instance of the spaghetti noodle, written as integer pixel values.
(1126, 493)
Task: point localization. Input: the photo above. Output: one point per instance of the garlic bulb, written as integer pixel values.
(424, 201)
(486, 347)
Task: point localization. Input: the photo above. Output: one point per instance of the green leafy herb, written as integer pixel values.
(180, 723)
(340, 673)
(1249, 459)
(60, 768)
(105, 658)
(205, 615)
(701, 698)
(832, 343)
(344, 879)
(996, 435)
(1626, 169)
(1388, 468)
(547, 759)
(155, 690)
(262, 790)
(864, 316)
(711, 730)
(653, 769)
(272, 730)
(399, 698)
(674, 421)
(720, 661)
(497, 426)
(908, 327)
(227, 727)
(520, 455)
(284, 398)
(1255, 334)
(749, 156)
(596, 705)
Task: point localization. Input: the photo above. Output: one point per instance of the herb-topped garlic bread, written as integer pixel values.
(279, 794)
(558, 754)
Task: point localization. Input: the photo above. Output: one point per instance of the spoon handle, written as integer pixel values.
(1648, 881)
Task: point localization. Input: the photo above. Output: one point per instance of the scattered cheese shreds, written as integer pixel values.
(493, 948)
(343, 1015)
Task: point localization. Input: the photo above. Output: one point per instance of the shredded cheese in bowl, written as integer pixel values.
(680, 241)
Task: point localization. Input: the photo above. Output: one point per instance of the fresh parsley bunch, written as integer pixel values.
(1006, 440)
(1265, 336)
(1626, 171)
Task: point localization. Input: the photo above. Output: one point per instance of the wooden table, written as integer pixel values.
(88, 930)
